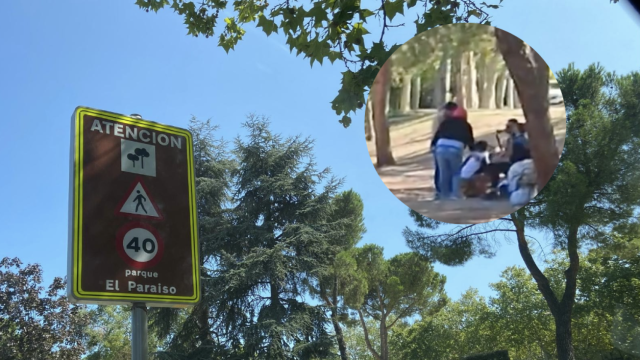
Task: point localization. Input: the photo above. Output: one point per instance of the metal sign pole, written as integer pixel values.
(139, 340)
(139, 343)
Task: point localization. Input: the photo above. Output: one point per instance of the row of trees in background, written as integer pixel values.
(459, 63)
(277, 233)
(515, 318)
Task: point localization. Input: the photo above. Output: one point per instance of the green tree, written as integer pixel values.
(193, 333)
(277, 237)
(461, 328)
(396, 289)
(608, 309)
(425, 339)
(109, 335)
(521, 316)
(356, 343)
(330, 285)
(324, 30)
(603, 318)
(267, 230)
(36, 323)
(593, 189)
(517, 319)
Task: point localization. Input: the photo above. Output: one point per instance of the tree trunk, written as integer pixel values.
(560, 309)
(472, 81)
(405, 96)
(488, 84)
(425, 97)
(440, 88)
(342, 346)
(510, 93)
(387, 99)
(461, 97)
(416, 88)
(531, 79)
(384, 343)
(380, 126)
(368, 118)
(203, 324)
(367, 341)
(564, 340)
(447, 80)
(501, 89)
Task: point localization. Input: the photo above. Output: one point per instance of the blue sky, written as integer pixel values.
(114, 56)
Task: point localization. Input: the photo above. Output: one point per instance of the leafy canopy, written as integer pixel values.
(333, 30)
(37, 323)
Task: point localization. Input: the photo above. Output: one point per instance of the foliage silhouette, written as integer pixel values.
(133, 158)
(142, 153)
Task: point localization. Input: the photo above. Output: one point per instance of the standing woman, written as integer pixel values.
(444, 112)
(453, 135)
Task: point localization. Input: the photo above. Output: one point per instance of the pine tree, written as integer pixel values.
(330, 286)
(274, 238)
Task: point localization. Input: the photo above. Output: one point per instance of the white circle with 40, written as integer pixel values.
(140, 245)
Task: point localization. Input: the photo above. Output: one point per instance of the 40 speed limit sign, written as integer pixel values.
(132, 229)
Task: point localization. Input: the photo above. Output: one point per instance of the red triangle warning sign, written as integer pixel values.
(138, 203)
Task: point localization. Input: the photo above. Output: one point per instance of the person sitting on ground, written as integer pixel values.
(471, 182)
(517, 149)
(444, 112)
(453, 135)
(521, 183)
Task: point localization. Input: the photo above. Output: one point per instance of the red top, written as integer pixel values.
(459, 113)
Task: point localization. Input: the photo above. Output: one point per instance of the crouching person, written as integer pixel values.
(522, 183)
(473, 182)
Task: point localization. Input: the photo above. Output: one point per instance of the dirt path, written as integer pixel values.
(411, 180)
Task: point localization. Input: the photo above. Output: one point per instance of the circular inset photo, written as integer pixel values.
(465, 123)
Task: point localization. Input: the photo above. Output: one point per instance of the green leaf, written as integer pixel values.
(299, 17)
(318, 14)
(411, 3)
(345, 121)
(267, 25)
(226, 43)
(334, 55)
(392, 8)
(377, 50)
(355, 36)
(365, 13)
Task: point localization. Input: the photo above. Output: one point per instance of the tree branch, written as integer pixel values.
(571, 273)
(543, 283)
(366, 337)
(402, 314)
(384, 20)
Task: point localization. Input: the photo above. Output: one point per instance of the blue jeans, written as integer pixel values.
(449, 161)
(435, 177)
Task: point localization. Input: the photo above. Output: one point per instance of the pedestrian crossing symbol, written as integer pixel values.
(138, 203)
